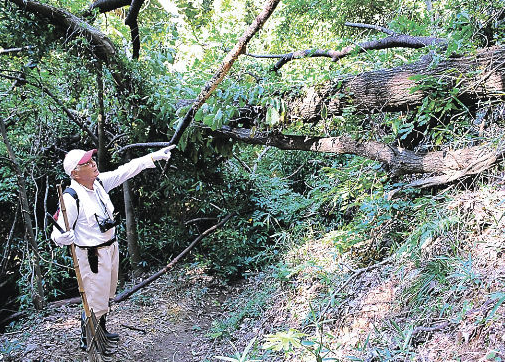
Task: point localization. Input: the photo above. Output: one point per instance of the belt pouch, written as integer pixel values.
(93, 259)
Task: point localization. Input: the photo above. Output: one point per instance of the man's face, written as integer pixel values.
(86, 172)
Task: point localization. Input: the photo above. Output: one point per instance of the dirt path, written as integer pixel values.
(168, 321)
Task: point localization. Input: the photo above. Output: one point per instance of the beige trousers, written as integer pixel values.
(100, 287)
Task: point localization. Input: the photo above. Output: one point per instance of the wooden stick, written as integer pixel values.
(134, 328)
(123, 296)
(63, 210)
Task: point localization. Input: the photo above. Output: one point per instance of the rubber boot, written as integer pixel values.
(83, 344)
(108, 335)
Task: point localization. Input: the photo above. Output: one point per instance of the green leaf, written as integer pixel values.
(199, 115)
(208, 120)
(324, 111)
(218, 120)
(497, 305)
(307, 343)
(283, 341)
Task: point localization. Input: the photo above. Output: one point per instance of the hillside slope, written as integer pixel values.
(438, 296)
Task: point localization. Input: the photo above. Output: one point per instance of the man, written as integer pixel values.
(92, 226)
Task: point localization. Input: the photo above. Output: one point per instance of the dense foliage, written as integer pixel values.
(281, 198)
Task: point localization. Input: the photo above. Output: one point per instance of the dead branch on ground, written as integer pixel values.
(127, 293)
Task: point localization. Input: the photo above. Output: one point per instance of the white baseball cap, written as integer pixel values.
(76, 157)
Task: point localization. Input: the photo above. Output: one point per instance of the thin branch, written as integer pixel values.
(295, 172)
(392, 41)
(13, 317)
(242, 163)
(142, 145)
(70, 113)
(435, 328)
(226, 65)
(134, 328)
(258, 159)
(193, 221)
(16, 50)
(370, 26)
(114, 138)
(127, 293)
(484, 309)
(228, 61)
(6, 246)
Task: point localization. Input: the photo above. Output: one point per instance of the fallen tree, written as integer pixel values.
(448, 165)
(478, 77)
(468, 80)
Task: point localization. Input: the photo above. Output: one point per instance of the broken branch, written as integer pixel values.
(224, 68)
(449, 164)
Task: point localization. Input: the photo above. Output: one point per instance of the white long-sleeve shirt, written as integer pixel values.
(87, 232)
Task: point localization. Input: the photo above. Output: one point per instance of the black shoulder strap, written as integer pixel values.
(72, 193)
(100, 181)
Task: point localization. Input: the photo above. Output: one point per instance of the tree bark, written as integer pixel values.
(452, 164)
(389, 90)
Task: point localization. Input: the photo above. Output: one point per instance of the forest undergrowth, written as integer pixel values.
(435, 296)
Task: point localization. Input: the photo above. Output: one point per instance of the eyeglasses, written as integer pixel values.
(90, 162)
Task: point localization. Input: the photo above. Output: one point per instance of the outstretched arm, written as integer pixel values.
(134, 167)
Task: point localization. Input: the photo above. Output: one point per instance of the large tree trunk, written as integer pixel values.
(390, 89)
